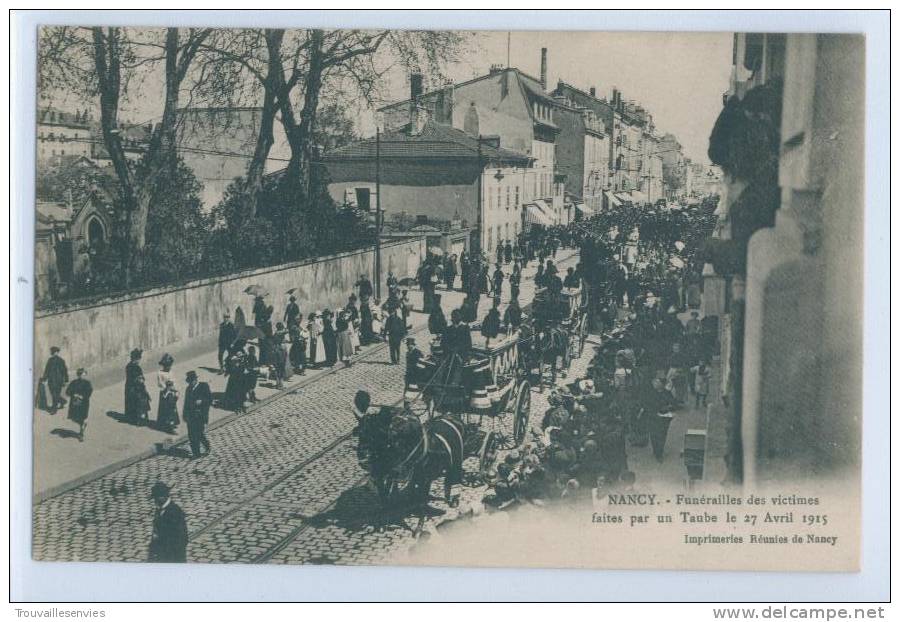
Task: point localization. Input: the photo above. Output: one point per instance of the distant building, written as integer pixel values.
(506, 103)
(70, 230)
(218, 143)
(62, 133)
(673, 166)
(435, 176)
(583, 147)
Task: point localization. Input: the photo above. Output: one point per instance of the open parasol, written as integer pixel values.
(256, 290)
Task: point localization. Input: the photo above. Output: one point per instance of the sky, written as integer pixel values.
(678, 77)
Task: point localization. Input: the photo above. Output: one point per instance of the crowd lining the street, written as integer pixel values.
(640, 267)
(643, 270)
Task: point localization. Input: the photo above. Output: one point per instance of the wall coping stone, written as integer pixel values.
(62, 307)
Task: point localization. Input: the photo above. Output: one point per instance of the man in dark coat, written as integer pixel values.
(197, 400)
(396, 331)
(227, 335)
(168, 543)
(458, 337)
(498, 277)
(515, 280)
(512, 317)
(79, 392)
(56, 375)
(413, 356)
(490, 326)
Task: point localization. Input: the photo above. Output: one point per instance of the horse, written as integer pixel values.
(403, 456)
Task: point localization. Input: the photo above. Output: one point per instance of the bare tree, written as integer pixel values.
(355, 57)
(100, 61)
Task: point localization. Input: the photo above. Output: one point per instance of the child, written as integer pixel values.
(701, 384)
(167, 418)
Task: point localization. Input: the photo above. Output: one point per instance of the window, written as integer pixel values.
(507, 230)
(517, 196)
(96, 234)
(490, 232)
(499, 234)
(507, 197)
(498, 197)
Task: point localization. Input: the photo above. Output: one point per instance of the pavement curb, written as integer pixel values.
(154, 450)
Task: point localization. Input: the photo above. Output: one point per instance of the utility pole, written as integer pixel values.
(378, 213)
(480, 199)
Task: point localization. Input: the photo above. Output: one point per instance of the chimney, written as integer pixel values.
(544, 68)
(416, 113)
(593, 92)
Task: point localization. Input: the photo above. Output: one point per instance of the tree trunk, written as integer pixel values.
(265, 139)
(299, 135)
(137, 194)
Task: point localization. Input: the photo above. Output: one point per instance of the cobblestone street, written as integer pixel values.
(282, 484)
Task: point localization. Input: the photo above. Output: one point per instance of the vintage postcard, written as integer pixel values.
(399, 297)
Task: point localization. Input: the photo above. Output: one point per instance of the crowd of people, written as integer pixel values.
(642, 268)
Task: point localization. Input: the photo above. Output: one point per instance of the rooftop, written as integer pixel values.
(435, 141)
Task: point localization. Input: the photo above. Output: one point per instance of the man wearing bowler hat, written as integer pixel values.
(168, 544)
(56, 375)
(197, 400)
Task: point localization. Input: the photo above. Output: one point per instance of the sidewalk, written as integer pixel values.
(61, 461)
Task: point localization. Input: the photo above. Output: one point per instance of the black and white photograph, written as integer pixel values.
(448, 297)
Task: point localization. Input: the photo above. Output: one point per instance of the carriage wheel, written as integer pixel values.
(522, 413)
(487, 453)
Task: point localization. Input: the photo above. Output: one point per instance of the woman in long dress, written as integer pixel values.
(312, 328)
(377, 323)
(167, 416)
(235, 369)
(353, 318)
(137, 400)
(367, 335)
(299, 338)
(163, 377)
(329, 338)
(320, 343)
(344, 344)
(79, 392)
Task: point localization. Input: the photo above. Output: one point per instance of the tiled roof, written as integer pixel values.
(436, 141)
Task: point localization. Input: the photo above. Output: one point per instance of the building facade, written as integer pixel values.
(437, 176)
(793, 386)
(61, 134)
(508, 105)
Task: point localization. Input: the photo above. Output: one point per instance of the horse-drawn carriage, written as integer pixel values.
(488, 391)
(455, 408)
(560, 328)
